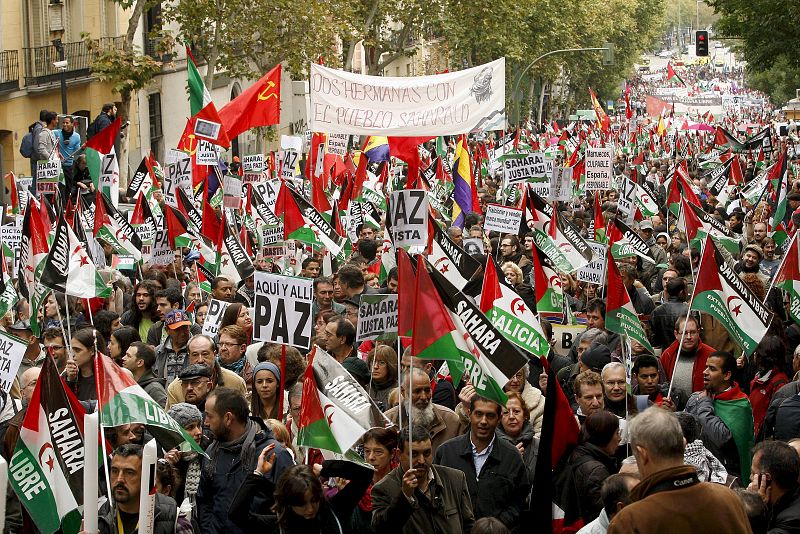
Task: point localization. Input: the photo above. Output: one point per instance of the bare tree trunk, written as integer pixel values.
(126, 97)
(541, 101)
(214, 54)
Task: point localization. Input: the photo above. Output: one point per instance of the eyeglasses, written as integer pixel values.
(505, 244)
(224, 344)
(613, 383)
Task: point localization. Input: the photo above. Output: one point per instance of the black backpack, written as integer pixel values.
(29, 139)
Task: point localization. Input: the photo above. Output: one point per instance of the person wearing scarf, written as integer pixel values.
(266, 386)
(232, 346)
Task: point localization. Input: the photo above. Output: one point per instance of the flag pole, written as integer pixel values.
(788, 250)
(686, 319)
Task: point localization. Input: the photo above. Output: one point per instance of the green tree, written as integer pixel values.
(765, 28)
(127, 69)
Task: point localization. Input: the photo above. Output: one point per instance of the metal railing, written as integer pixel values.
(39, 68)
(9, 70)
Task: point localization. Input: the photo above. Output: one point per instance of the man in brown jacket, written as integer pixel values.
(442, 423)
(417, 496)
(670, 498)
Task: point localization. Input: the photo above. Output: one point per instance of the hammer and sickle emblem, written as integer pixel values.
(192, 144)
(266, 93)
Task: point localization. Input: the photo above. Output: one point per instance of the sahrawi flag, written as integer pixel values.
(336, 411)
(46, 470)
(101, 159)
(113, 228)
(301, 221)
(555, 236)
(452, 261)
(787, 278)
(509, 313)
(449, 326)
(620, 315)
(68, 267)
(720, 292)
(122, 401)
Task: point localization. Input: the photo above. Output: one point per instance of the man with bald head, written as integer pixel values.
(27, 383)
(415, 387)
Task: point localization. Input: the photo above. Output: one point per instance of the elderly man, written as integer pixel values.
(670, 498)
(203, 350)
(441, 422)
(171, 355)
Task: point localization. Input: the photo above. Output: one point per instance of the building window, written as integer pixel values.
(156, 130)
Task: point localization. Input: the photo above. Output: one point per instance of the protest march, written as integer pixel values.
(416, 317)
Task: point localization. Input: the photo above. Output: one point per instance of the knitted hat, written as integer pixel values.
(267, 366)
(185, 414)
(596, 357)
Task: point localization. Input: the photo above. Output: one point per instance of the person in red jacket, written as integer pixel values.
(769, 377)
(693, 351)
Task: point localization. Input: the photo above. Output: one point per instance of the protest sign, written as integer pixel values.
(473, 246)
(337, 144)
(288, 164)
(503, 219)
(599, 168)
(565, 336)
(442, 104)
(48, 175)
(519, 168)
(11, 351)
(408, 211)
(216, 308)
(377, 317)
(627, 198)
(292, 142)
(161, 253)
(253, 163)
(179, 175)
(560, 184)
(282, 309)
(206, 153)
(595, 271)
(232, 191)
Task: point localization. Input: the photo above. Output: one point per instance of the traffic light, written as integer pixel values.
(701, 43)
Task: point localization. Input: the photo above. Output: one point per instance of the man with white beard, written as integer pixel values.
(442, 423)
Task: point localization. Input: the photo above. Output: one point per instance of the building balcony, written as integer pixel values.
(9, 71)
(38, 61)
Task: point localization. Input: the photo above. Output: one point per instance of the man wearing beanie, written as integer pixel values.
(187, 463)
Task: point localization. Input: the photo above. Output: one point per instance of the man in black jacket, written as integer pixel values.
(496, 476)
(664, 317)
(239, 441)
(773, 474)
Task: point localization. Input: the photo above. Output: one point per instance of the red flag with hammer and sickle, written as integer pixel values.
(259, 105)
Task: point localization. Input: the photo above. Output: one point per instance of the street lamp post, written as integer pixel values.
(516, 99)
(62, 60)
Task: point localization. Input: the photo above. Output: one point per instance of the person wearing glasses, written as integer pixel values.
(511, 250)
(688, 367)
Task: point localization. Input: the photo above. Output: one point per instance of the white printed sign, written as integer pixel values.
(409, 215)
(599, 168)
(377, 317)
(289, 164)
(282, 311)
(519, 168)
(11, 351)
(253, 163)
(48, 175)
(206, 153)
(179, 175)
(232, 191)
(560, 184)
(337, 144)
(161, 253)
(442, 104)
(627, 198)
(216, 308)
(595, 271)
(503, 219)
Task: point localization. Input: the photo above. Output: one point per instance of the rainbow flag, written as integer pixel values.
(462, 180)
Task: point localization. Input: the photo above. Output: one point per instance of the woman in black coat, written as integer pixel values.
(299, 504)
(593, 460)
